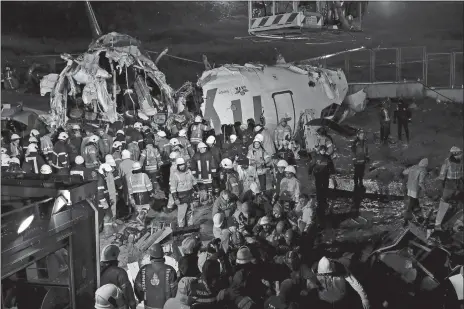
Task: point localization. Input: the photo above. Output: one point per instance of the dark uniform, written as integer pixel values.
(33, 162)
(113, 274)
(360, 157)
(156, 282)
(385, 122)
(402, 115)
(321, 167)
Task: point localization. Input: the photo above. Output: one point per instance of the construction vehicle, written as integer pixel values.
(50, 242)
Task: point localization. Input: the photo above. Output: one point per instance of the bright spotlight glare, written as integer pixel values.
(25, 224)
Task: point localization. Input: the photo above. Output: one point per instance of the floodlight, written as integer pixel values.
(25, 224)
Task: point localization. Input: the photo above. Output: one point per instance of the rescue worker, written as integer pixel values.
(35, 133)
(286, 153)
(321, 168)
(248, 132)
(155, 282)
(136, 135)
(90, 153)
(214, 149)
(120, 137)
(203, 167)
(140, 191)
(385, 122)
(205, 289)
(332, 277)
(402, 115)
(33, 161)
(111, 273)
(282, 132)
(247, 175)
(259, 158)
(226, 204)
(279, 175)
(109, 296)
(60, 155)
(81, 170)
(173, 157)
(162, 143)
(324, 139)
(453, 187)
(306, 209)
(183, 298)
(116, 152)
(290, 184)
(185, 142)
(416, 187)
(46, 170)
(150, 159)
(118, 183)
(75, 142)
(5, 162)
(105, 142)
(183, 185)
(33, 140)
(267, 142)
(197, 130)
(15, 149)
(231, 178)
(125, 172)
(360, 158)
(188, 263)
(264, 229)
(245, 219)
(234, 149)
(14, 166)
(133, 148)
(88, 134)
(177, 146)
(102, 195)
(46, 144)
(221, 229)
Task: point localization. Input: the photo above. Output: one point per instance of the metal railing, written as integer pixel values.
(403, 64)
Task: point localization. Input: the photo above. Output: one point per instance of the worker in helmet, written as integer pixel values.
(133, 148)
(267, 141)
(247, 175)
(177, 146)
(81, 170)
(155, 282)
(283, 132)
(290, 184)
(120, 137)
(118, 183)
(136, 134)
(279, 173)
(162, 143)
(231, 178)
(286, 153)
(360, 158)
(226, 203)
(197, 130)
(385, 121)
(140, 191)
(125, 171)
(173, 168)
(102, 194)
(452, 175)
(60, 155)
(15, 166)
(46, 170)
(183, 184)
(105, 142)
(33, 161)
(204, 167)
(116, 152)
(74, 142)
(217, 155)
(109, 296)
(264, 229)
(90, 153)
(15, 149)
(324, 139)
(111, 273)
(233, 149)
(5, 162)
(188, 263)
(33, 140)
(260, 159)
(89, 132)
(183, 140)
(34, 133)
(150, 159)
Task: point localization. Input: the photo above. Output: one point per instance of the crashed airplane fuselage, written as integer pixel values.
(235, 93)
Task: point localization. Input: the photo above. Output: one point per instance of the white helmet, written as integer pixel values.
(32, 139)
(258, 138)
(79, 160)
(282, 163)
(120, 132)
(233, 138)
(174, 142)
(14, 137)
(4, 150)
(264, 220)
(138, 125)
(32, 148)
(198, 118)
(210, 140)
(110, 160)
(227, 163)
(117, 144)
(105, 167)
(161, 134)
(14, 160)
(63, 136)
(290, 169)
(93, 139)
(202, 145)
(5, 159)
(76, 127)
(45, 169)
(109, 296)
(180, 161)
(218, 219)
(125, 154)
(136, 166)
(183, 132)
(174, 155)
(34, 133)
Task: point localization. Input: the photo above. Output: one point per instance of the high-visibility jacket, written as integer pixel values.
(46, 144)
(134, 151)
(140, 187)
(33, 162)
(291, 185)
(183, 152)
(60, 156)
(117, 179)
(258, 158)
(281, 133)
(102, 189)
(90, 156)
(150, 159)
(105, 143)
(248, 176)
(196, 132)
(85, 142)
(203, 166)
(164, 147)
(84, 172)
(182, 182)
(186, 144)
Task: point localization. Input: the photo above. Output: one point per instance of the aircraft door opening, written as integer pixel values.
(284, 106)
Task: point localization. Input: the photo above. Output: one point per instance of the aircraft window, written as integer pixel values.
(284, 106)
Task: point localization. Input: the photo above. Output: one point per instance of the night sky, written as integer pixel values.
(68, 20)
